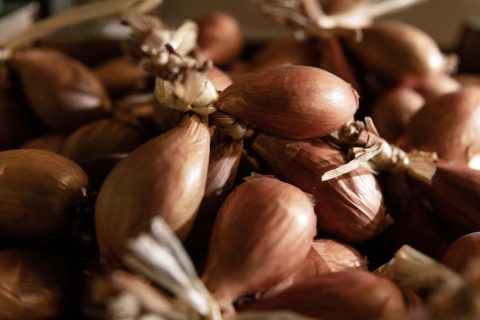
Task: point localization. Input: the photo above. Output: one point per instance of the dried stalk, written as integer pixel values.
(160, 256)
(74, 16)
(308, 16)
(366, 148)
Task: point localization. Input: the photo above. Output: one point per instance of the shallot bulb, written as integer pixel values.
(349, 208)
(462, 251)
(291, 101)
(263, 231)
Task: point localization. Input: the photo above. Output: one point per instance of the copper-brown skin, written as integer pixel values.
(39, 194)
(263, 231)
(339, 6)
(33, 286)
(437, 85)
(455, 195)
(49, 142)
(462, 252)
(349, 208)
(17, 123)
(120, 75)
(219, 37)
(466, 79)
(62, 92)
(392, 112)
(164, 177)
(325, 256)
(291, 101)
(448, 125)
(102, 137)
(400, 52)
(284, 52)
(347, 295)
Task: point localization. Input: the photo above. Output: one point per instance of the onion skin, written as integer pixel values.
(462, 251)
(223, 165)
(393, 111)
(349, 208)
(342, 295)
(61, 91)
(400, 52)
(102, 137)
(33, 286)
(455, 195)
(39, 194)
(325, 256)
(291, 101)
(219, 37)
(339, 6)
(17, 123)
(120, 76)
(50, 142)
(263, 231)
(164, 177)
(437, 85)
(284, 52)
(448, 125)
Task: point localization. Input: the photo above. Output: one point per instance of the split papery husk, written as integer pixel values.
(349, 208)
(334, 60)
(462, 251)
(283, 52)
(120, 76)
(291, 101)
(400, 52)
(102, 138)
(224, 160)
(49, 142)
(455, 195)
(164, 177)
(40, 193)
(437, 85)
(448, 125)
(17, 123)
(34, 286)
(263, 231)
(325, 256)
(62, 92)
(351, 294)
(220, 37)
(393, 111)
(412, 269)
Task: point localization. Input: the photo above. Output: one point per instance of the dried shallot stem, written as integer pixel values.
(366, 148)
(308, 16)
(182, 83)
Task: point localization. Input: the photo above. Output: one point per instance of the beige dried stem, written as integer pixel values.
(308, 16)
(160, 256)
(75, 16)
(413, 269)
(367, 149)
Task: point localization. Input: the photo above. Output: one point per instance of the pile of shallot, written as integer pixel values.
(180, 173)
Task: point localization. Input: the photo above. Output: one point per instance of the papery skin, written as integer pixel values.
(220, 79)
(437, 85)
(400, 52)
(263, 231)
(62, 92)
(33, 285)
(325, 256)
(455, 195)
(349, 208)
(219, 37)
(462, 252)
(102, 137)
(39, 194)
(49, 142)
(448, 125)
(164, 177)
(393, 111)
(343, 295)
(291, 101)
